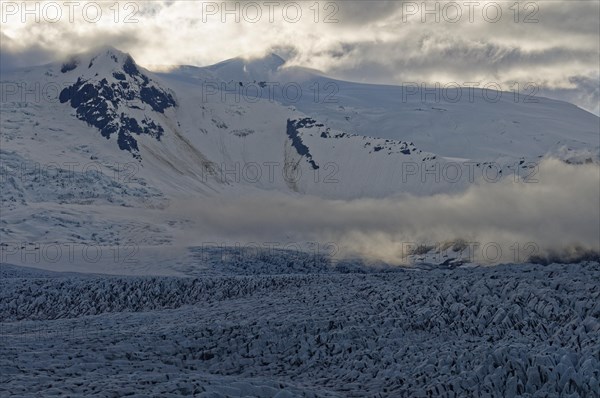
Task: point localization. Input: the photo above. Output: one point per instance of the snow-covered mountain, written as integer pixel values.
(246, 126)
(463, 122)
(193, 127)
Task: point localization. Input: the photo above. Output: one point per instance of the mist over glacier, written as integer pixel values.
(557, 214)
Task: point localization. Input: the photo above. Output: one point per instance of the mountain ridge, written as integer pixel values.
(180, 125)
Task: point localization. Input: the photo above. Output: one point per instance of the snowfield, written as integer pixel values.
(510, 330)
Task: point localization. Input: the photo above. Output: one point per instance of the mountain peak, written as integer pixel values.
(249, 69)
(104, 58)
(272, 59)
(112, 94)
(106, 50)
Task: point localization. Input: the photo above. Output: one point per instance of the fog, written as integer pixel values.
(554, 218)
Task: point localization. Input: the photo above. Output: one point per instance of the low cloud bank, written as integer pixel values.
(556, 219)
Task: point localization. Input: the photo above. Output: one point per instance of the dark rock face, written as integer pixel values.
(292, 132)
(132, 70)
(157, 99)
(307, 122)
(374, 145)
(100, 104)
(69, 66)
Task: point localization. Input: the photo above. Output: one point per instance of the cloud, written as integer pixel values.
(585, 92)
(558, 214)
(33, 55)
(378, 41)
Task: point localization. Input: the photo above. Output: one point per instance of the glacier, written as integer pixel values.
(510, 330)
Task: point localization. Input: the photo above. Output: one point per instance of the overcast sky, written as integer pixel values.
(554, 44)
